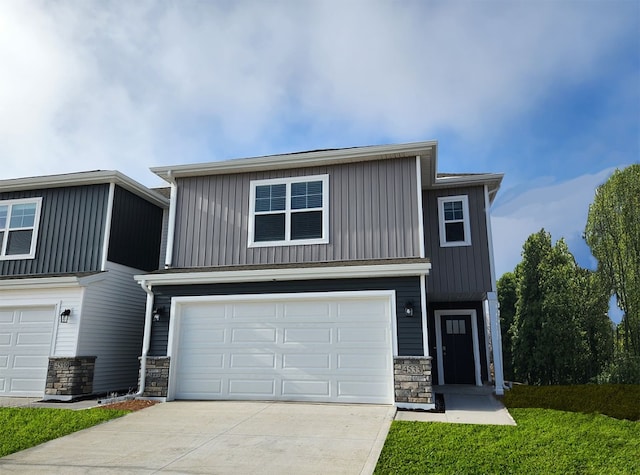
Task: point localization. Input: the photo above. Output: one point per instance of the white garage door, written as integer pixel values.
(301, 347)
(25, 343)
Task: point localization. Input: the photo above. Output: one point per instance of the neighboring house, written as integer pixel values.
(71, 314)
(350, 275)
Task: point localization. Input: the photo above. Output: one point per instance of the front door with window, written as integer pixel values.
(457, 349)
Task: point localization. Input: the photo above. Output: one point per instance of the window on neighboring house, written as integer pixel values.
(289, 211)
(453, 214)
(19, 228)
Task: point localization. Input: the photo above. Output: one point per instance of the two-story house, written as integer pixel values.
(350, 275)
(71, 314)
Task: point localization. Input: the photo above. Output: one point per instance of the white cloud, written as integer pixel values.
(129, 85)
(559, 208)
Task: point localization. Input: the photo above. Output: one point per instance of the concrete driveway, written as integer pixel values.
(219, 437)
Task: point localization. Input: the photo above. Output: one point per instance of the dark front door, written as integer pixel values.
(457, 349)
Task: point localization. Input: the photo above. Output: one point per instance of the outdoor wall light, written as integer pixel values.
(64, 316)
(408, 309)
(157, 313)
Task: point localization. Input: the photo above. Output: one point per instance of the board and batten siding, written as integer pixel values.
(409, 329)
(136, 231)
(460, 269)
(112, 326)
(373, 214)
(72, 223)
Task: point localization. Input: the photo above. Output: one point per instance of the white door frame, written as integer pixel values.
(474, 333)
(176, 315)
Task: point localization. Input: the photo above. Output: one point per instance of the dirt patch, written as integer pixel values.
(133, 405)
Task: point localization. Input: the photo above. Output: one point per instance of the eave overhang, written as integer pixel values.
(416, 267)
(84, 178)
(45, 282)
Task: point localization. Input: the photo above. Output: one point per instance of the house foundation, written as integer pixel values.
(69, 378)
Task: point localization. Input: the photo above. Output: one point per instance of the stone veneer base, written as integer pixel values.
(157, 377)
(412, 382)
(69, 378)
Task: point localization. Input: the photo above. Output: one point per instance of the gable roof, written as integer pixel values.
(427, 151)
(94, 177)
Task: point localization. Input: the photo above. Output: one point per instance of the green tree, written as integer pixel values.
(613, 234)
(560, 330)
(507, 298)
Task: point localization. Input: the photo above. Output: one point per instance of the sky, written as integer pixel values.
(546, 92)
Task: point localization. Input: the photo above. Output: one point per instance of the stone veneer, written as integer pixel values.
(69, 378)
(412, 381)
(157, 377)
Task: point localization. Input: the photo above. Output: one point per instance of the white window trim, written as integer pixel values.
(441, 222)
(35, 227)
(287, 211)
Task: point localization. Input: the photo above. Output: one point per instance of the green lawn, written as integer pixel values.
(545, 441)
(21, 427)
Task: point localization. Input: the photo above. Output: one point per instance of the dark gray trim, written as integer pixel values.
(407, 288)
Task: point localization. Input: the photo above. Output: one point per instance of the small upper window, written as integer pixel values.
(453, 214)
(19, 228)
(289, 211)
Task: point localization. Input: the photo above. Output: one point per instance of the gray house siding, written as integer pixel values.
(373, 214)
(72, 222)
(136, 231)
(407, 288)
(463, 270)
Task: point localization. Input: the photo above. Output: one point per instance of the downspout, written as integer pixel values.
(146, 339)
(171, 227)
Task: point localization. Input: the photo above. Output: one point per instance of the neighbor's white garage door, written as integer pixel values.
(25, 343)
(325, 348)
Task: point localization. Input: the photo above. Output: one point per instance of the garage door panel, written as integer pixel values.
(254, 311)
(290, 349)
(307, 335)
(25, 345)
(305, 361)
(252, 387)
(301, 389)
(252, 361)
(253, 335)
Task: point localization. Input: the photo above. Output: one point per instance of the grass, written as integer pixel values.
(21, 427)
(545, 440)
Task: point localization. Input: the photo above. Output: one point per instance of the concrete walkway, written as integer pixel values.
(220, 437)
(464, 405)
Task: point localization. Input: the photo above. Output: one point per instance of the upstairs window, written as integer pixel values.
(19, 228)
(289, 211)
(453, 213)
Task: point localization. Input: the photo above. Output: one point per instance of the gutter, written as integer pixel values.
(171, 227)
(146, 340)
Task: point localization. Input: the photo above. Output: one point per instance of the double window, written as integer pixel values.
(453, 213)
(19, 228)
(289, 211)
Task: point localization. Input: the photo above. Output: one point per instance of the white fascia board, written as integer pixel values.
(50, 282)
(84, 178)
(297, 160)
(303, 273)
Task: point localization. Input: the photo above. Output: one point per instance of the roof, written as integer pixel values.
(94, 177)
(426, 151)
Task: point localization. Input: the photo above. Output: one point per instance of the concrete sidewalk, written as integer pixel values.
(221, 437)
(464, 405)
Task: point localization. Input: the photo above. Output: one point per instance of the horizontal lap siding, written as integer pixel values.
(373, 214)
(112, 327)
(463, 269)
(70, 234)
(407, 288)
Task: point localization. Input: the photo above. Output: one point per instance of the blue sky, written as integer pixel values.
(546, 92)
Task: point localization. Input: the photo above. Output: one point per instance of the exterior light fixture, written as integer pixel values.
(157, 313)
(408, 309)
(64, 316)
